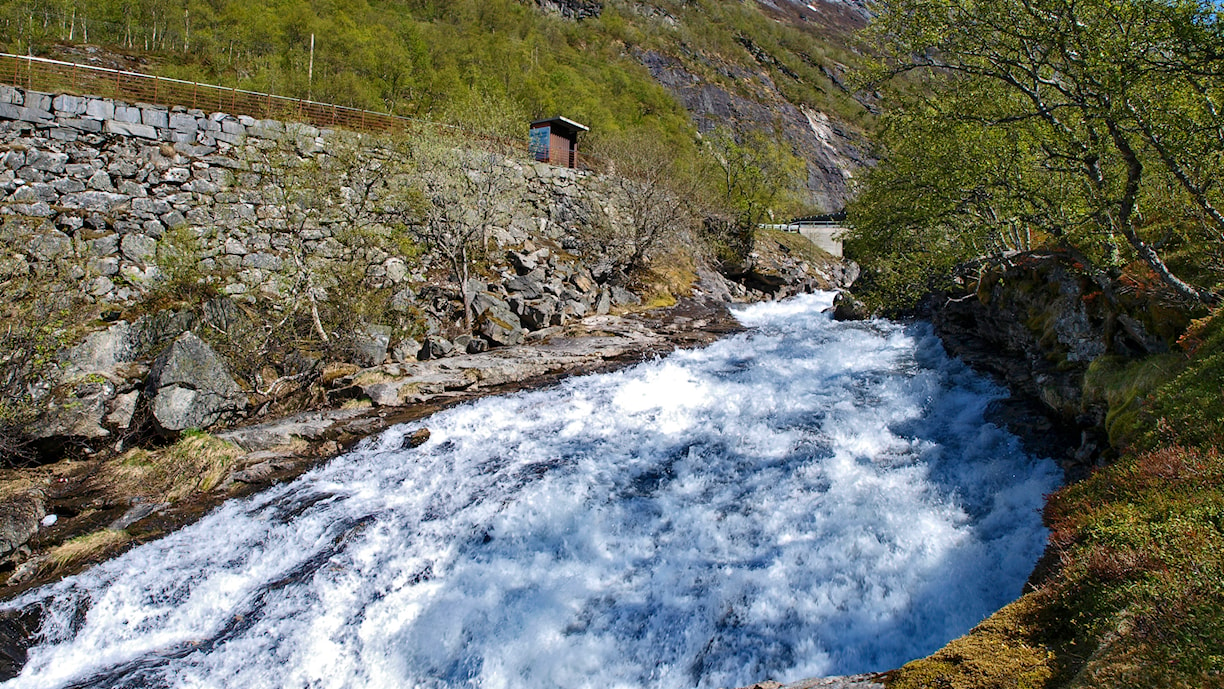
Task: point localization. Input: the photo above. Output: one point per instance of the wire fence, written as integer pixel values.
(55, 76)
(42, 74)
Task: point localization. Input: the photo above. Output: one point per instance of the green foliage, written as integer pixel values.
(1138, 598)
(178, 262)
(1189, 410)
(653, 192)
(752, 180)
(1090, 126)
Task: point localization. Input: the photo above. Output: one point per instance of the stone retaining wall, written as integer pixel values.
(100, 182)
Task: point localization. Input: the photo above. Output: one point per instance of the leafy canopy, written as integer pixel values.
(1093, 125)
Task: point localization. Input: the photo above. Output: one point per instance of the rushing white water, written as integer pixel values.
(803, 499)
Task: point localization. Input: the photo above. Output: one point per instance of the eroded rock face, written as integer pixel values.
(1038, 324)
(189, 387)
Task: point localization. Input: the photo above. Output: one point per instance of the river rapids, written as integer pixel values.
(802, 499)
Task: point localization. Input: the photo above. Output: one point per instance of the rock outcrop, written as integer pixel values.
(19, 520)
(189, 387)
(1038, 323)
(832, 150)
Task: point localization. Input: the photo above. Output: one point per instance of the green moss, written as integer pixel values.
(1123, 385)
(1003, 652)
(1189, 409)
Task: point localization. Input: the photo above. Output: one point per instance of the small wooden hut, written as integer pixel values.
(555, 141)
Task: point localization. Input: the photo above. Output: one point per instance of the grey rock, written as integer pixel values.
(136, 513)
(138, 247)
(154, 117)
(108, 265)
(131, 129)
(529, 286)
(500, 327)
(574, 308)
(16, 112)
(307, 426)
(623, 297)
(183, 122)
(122, 410)
(176, 175)
(91, 126)
(101, 181)
(435, 347)
(66, 185)
(104, 245)
(483, 301)
(603, 304)
(126, 114)
(50, 245)
(101, 351)
(47, 161)
(405, 350)
(173, 219)
(262, 261)
(370, 345)
(19, 520)
(34, 192)
(190, 387)
(538, 315)
(68, 105)
(77, 415)
(256, 473)
(101, 286)
(103, 201)
(99, 109)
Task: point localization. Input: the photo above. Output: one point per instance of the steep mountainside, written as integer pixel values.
(675, 67)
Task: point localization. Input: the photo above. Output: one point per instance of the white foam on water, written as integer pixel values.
(807, 498)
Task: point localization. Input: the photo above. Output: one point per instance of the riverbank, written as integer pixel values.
(1128, 592)
(92, 504)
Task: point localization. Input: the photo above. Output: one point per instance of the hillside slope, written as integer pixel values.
(670, 66)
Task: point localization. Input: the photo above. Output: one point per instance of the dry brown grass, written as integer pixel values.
(195, 464)
(88, 547)
(668, 278)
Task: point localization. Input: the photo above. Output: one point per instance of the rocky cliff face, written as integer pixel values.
(1038, 324)
(832, 150)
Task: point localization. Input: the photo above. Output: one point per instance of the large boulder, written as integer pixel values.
(500, 327)
(91, 378)
(189, 387)
(19, 520)
(847, 308)
(370, 344)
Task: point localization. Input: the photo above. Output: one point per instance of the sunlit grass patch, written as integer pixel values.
(197, 463)
(88, 547)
